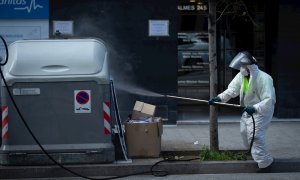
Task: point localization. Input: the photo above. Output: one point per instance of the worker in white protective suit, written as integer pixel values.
(257, 95)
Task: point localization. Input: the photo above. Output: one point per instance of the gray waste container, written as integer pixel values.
(62, 90)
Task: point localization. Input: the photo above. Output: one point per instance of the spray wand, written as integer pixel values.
(220, 103)
(205, 101)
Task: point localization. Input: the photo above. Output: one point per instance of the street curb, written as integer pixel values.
(191, 167)
(206, 122)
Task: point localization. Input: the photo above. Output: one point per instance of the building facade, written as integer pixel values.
(161, 47)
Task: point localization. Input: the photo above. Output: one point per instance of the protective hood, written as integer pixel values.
(253, 70)
(242, 58)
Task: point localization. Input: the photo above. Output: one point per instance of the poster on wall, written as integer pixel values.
(159, 27)
(193, 71)
(63, 27)
(24, 19)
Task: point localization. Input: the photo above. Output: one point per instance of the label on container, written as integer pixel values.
(26, 91)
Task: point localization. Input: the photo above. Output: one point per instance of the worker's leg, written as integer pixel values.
(244, 133)
(259, 151)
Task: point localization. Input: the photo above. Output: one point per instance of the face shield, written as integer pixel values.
(242, 58)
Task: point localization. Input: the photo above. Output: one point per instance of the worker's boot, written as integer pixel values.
(265, 170)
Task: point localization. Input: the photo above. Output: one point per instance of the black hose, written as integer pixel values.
(159, 173)
(253, 134)
(6, 51)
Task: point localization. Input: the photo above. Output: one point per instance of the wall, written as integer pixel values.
(285, 47)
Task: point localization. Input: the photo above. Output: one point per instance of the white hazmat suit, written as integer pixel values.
(260, 95)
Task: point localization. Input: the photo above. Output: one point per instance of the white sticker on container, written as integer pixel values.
(26, 91)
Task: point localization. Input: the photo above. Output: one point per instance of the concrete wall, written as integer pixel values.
(137, 60)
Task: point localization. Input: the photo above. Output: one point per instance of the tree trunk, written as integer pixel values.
(213, 113)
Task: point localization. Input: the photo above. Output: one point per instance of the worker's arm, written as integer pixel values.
(233, 89)
(266, 93)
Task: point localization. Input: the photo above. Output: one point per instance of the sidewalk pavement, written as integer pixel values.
(283, 138)
(283, 141)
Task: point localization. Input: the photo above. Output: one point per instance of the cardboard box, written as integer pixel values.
(143, 139)
(142, 111)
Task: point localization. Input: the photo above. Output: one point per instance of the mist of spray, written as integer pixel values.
(121, 69)
(133, 89)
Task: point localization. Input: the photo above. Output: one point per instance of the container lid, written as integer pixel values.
(56, 57)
